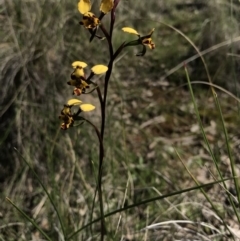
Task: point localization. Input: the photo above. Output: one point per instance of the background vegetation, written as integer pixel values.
(150, 120)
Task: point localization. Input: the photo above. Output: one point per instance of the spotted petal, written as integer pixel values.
(130, 30)
(74, 102)
(99, 69)
(106, 6)
(87, 107)
(79, 64)
(84, 6)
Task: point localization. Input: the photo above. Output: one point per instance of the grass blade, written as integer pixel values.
(45, 190)
(30, 220)
(145, 202)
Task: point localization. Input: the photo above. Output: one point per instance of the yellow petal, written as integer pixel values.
(99, 69)
(84, 6)
(78, 72)
(74, 102)
(106, 6)
(130, 30)
(87, 107)
(79, 64)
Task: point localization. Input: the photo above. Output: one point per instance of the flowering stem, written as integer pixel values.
(99, 184)
(99, 95)
(107, 77)
(103, 101)
(101, 149)
(109, 39)
(101, 156)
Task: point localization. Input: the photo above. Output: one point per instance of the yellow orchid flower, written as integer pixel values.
(67, 117)
(78, 72)
(145, 40)
(78, 78)
(90, 21)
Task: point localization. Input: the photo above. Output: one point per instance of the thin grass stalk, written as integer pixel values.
(45, 190)
(203, 132)
(29, 219)
(196, 49)
(196, 56)
(195, 107)
(232, 56)
(226, 139)
(232, 163)
(216, 87)
(203, 192)
(207, 143)
(146, 202)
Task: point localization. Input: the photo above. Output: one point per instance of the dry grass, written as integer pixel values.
(148, 118)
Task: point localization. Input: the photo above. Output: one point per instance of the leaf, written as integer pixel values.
(106, 6)
(87, 107)
(99, 69)
(79, 64)
(74, 102)
(130, 30)
(84, 6)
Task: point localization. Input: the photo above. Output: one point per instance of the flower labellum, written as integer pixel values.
(89, 20)
(145, 40)
(66, 117)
